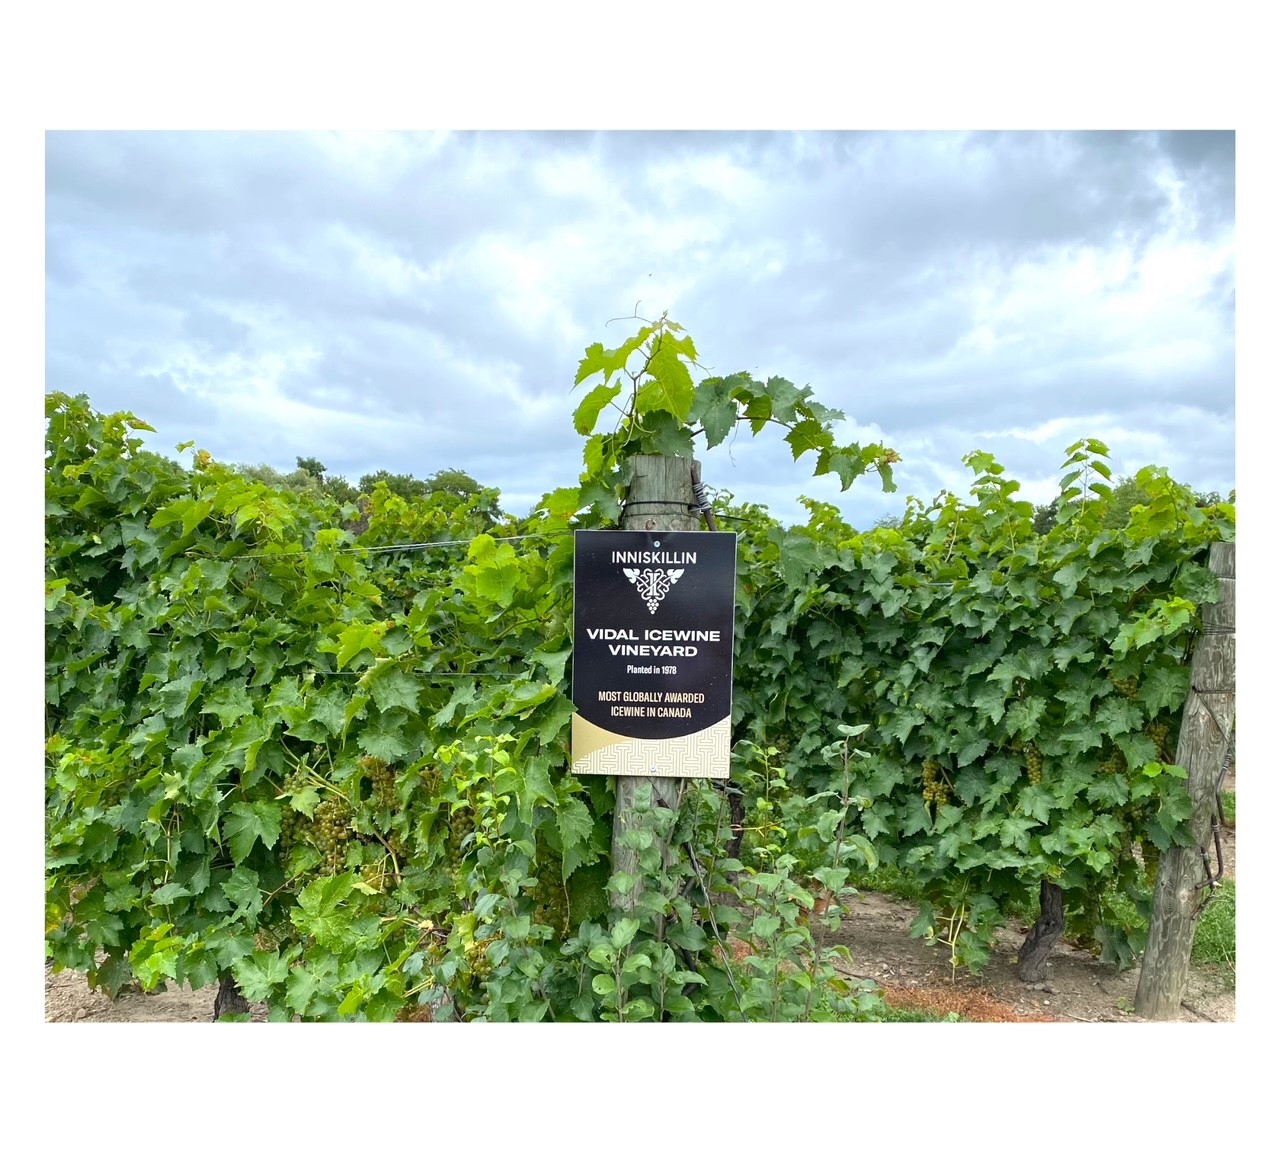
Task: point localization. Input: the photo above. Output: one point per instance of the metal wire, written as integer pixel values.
(412, 546)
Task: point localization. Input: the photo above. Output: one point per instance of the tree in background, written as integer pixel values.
(403, 484)
(299, 480)
(335, 486)
(452, 488)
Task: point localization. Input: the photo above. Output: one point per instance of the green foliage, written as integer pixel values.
(336, 767)
(248, 718)
(916, 1016)
(893, 881)
(1126, 494)
(1023, 692)
(449, 489)
(657, 408)
(405, 486)
(800, 854)
(1215, 938)
(338, 771)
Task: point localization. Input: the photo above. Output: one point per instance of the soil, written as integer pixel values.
(913, 975)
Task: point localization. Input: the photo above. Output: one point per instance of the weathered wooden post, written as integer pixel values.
(1208, 724)
(659, 498)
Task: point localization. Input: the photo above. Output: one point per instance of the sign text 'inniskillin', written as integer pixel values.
(653, 652)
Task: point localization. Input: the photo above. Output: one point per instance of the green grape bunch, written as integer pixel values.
(1126, 687)
(1115, 763)
(383, 778)
(293, 824)
(1033, 758)
(549, 896)
(936, 791)
(461, 826)
(331, 829)
(1158, 730)
(292, 828)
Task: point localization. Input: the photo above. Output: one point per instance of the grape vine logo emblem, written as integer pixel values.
(653, 583)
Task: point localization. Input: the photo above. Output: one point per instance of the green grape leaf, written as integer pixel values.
(391, 687)
(388, 737)
(246, 823)
(321, 911)
(807, 436)
(785, 396)
(588, 412)
(1164, 687)
(259, 974)
(670, 387)
(356, 638)
(715, 409)
(243, 889)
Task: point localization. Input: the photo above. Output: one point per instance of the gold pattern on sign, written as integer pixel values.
(599, 752)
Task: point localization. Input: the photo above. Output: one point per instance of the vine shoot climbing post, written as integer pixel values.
(659, 499)
(1184, 880)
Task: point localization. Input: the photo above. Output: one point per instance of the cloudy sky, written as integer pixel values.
(420, 300)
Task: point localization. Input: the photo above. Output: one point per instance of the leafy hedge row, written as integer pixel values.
(1023, 691)
(335, 767)
(336, 770)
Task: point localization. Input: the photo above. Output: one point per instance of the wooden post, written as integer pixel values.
(1208, 726)
(658, 500)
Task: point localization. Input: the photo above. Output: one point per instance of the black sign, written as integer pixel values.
(653, 652)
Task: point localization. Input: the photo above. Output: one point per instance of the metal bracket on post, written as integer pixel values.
(700, 495)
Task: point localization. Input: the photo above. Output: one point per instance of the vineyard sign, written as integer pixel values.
(653, 652)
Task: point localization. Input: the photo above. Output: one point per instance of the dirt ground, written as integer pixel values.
(1078, 986)
(914, 975)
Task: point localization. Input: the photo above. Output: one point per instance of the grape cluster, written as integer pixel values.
(935, 788)
(1115, 763)
(1151, 863)
(459, 828)
(293, 822)
(375, 876)
(548, 894)
(291, 827)
(1128, 688)
(383, 778)
(1034, 760)
(1158, 730)
(477, 954)
(331, 828)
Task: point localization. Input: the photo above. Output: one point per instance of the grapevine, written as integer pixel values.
(283, 749)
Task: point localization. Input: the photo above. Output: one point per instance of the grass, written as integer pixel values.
(1229, 809)
(892, 882)
(1215, 940)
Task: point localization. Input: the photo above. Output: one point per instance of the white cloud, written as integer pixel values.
(945, 290)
